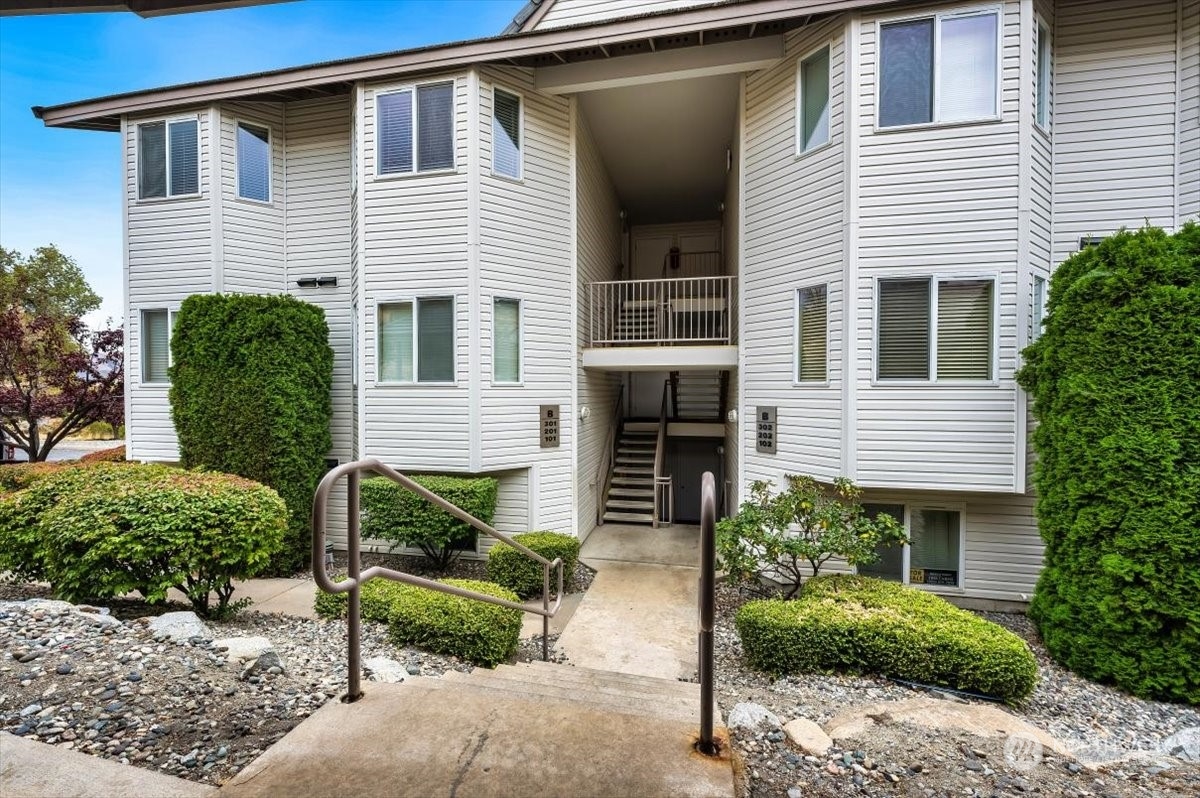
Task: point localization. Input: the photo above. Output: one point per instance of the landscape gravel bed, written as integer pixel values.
(1094, 721)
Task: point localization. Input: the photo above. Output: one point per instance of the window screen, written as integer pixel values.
(903, 342)
(1043, 76)
(435, 340)
(813, 334)
(183, 161)
(1039, 308)
(156, 350)
(964, 330)
(506, 134)
(934, 552)
(254, 162)
(967, 68)
(396, 342)
(435, 126)
(506, 341)
(152, 160)
(906, 73)
(814, 100)
(395, 150)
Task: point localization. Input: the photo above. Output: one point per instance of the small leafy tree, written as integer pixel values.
(783, 536)
(394, 513)
(45, 284)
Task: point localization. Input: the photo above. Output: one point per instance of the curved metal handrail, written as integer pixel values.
(356, 579)
(707, 591)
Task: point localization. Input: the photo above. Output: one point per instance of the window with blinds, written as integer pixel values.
(811, 334)
(961, 314)
(506, 134)
(902, 350)
(253, 162)
(890, 564)
(964, 330)
(156, 345)
(168, 159)
(943, 68)
(1038, 315)
(415, 129)
(814, 100)
(416, 346)
(936, 537)
(506, 341)
(1042, 112)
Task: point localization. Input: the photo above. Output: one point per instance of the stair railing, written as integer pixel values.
(708, 601)
(357, 578)
(604, 470)
(662, 482)
(675, 395)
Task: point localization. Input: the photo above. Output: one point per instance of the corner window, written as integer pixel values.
(943, 68)
(415, 127)
(506, 134)
(506, 341)
(1043, 77)
(923, 335)
(934, 556)
(416, 340)
(814, 100)
(1038, 311)
(811, 334)
(156, 346)
(253, 162)
(168, 158)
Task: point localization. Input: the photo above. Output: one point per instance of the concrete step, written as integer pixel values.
(644, 471)
(637, 444)
(640, 426)
(631, 505)
(577, 674)
(628, 518)
(631, 491)
(633, 481)
(587, 680)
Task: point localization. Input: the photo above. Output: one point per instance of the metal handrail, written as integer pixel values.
(708, 601)
(604, 470)
(355, 579)
(659, 454)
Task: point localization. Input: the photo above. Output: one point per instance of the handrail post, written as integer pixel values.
(354, 610)
(546, 618)
(708, 519)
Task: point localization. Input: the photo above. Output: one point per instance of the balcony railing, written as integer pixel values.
(680, 311)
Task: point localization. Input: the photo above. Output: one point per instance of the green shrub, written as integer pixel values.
(20, 476)
(1114, 380)
(375, 600)
(116, 454)
(509, 568)
(250, 395)
(394, 513)
(860, 624)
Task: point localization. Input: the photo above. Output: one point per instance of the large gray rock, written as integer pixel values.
(808, 736)
(751, 716)
(382, 669)
(254, 654)
(1184, 744)
(179, 627)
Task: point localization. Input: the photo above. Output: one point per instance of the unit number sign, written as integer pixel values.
(764, 425)
(550, 426)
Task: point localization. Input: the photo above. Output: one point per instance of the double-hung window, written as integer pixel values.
(156, 345)
(253, 162)
(940, 68)
(506, 341)
(168, 158)
(416, 340)
(934, 554)
(1042, 113)
(506, 134)
(934, 329)
(415, 129)
(812, 334)
(813, 101)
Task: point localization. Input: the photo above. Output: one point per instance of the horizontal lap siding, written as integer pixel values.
(415, 244)
(579, 12)
(252, 232)
(1189, 113)
(732, 246)
(525, 254)
(599, 251)
(794, 237)
(1114, 126)
(942, 201)
(170, 257)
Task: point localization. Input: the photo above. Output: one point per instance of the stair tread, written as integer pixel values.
(579, 671)
(639, 707)
(602, 685)
(629, 504)
(637, 518)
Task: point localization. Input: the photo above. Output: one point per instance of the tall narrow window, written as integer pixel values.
(253, 162)
(152, 160)
(506, 340)
(156, 345)
(934, 552)
(903, 347)
(435, 126)
(435, 340)
(812, 334)
(394, 115)
(967, 67)
(964, 330)
(506, 134)
(814, 100)
(1038, 314)
(396, 342)
(1043, 76)
(906, 73)
(168, 159)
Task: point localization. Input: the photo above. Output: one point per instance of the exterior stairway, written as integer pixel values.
(698, 395)
(637, 320)
(631, 490)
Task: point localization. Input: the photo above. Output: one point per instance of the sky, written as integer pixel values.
(62, 187)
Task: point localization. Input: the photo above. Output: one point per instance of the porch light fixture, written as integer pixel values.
(584, 412)
(731, 416)
(316, 282)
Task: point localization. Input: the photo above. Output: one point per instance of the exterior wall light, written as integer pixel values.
(584, 412)
(731, 416)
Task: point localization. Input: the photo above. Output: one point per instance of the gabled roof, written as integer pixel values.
(690, 27)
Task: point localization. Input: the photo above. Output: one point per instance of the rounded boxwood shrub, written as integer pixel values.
(375, 600)
(394, 513)
(865, 625)
(508, 567)
(1114, 380)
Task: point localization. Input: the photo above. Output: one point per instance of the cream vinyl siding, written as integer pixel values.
(938, 200)
(731, 245)
(252, 239)
(599, 251)
(794, 237)
(1114, 122)
(413, 234)
(1189, 111)
(170, 257)
(581, 12)
(525, 254)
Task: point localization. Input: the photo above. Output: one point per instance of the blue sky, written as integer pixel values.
(63, 186)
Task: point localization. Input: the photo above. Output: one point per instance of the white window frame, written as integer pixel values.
(354, 345)
(796, 381)
(520, 341)
(937, 17)
(906, 549)
(172, 311)
(412, 87)
(935, 280)
(1040, 28)
(800, 150)
(520, 178)
(1037, 305)
(416, 343)
(137, 158)
(237, 162)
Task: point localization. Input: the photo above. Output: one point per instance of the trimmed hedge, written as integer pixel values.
(250, 395)
(20, 476)
(438, 622)
(105, 530)
(394, 513)
(860, 624)
(1114, 380)
(509, 568)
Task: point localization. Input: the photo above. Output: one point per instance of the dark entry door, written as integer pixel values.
(687, 460)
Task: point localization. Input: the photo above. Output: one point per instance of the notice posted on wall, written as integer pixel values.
(933, 576)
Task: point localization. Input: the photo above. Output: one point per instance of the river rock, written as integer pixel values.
(179, 627)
